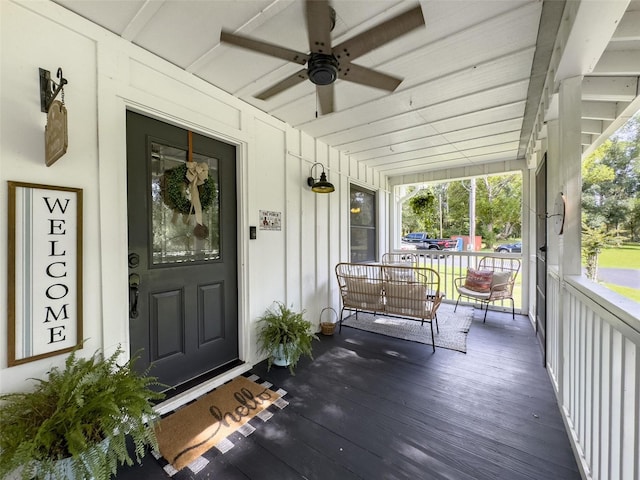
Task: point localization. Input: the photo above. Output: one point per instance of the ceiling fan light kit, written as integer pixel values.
(326, 63)
(323, 68)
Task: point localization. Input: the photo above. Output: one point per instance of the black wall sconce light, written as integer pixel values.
(321, 185)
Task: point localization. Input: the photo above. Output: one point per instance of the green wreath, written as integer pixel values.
(174, 190)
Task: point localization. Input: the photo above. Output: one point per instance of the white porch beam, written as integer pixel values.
(591, 127)
(618, 62)
(593, 27)
(586, 139)
(628, 110)
(611, 89)
(458, 173)
(600, 110)
(628, 28)
(145, 13)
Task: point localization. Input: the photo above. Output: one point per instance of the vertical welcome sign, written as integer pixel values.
(44, 271)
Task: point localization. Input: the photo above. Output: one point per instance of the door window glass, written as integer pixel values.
(176, 236)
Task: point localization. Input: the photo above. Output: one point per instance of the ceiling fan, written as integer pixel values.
(326, 63)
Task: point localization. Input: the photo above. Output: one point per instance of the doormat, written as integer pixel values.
(453, 326)
(187, 435)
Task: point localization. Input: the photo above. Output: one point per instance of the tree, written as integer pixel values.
(458, 208)
(440, 190)
(633, 222)
(444, 207)
(611, 180)
(498, 207)
(595, 174)
(594, 239)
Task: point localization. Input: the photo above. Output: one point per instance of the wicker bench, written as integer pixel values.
(390, 289)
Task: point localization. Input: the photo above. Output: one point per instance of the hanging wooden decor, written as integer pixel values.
(56, 139)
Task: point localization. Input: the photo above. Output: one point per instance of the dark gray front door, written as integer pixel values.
(541, 256)
(182, 278)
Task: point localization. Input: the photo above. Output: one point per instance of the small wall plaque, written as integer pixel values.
(55, 134)
(270, 220)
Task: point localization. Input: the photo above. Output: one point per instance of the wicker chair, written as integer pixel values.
(492, 281)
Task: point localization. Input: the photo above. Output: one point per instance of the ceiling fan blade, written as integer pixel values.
(298, 77)
(325, 98)
(366, 76)
(264, 47)
(380, 34)
(319, 26)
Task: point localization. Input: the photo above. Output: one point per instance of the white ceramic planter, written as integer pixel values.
(279, 357)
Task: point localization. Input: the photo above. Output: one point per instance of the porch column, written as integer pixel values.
(570, 181)
(395, 210)
(570, 102)
(528, 253)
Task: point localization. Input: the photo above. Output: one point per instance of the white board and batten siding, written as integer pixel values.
(108, 75)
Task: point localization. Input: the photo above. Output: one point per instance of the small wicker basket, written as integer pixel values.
(328, 328)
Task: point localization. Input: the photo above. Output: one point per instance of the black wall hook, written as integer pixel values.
(49, 89)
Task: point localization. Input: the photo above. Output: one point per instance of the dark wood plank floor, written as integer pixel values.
(373, 407)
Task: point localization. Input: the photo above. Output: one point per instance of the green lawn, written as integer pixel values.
(632, 293)
(627, 256)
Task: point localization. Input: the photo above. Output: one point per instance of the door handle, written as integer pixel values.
(134, 293)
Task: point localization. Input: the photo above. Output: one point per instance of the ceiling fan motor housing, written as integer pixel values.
(322, 68)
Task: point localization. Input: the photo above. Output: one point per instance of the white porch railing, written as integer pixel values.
(451, 265)
(593, 336)
(593, 346)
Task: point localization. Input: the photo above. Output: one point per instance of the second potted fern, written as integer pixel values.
(285, 336)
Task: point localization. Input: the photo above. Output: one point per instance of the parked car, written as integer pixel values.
(415, 237)
(509, 248)
(423, 241)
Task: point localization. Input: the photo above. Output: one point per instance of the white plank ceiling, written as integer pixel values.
(473, 75)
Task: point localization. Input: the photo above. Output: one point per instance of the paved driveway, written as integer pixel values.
(626, 277)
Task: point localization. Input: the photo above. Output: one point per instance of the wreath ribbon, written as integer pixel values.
(197, 174)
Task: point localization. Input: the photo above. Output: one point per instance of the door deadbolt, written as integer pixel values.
(134, 260)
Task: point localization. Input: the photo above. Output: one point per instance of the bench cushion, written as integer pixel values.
(363, 294)
(399, 272)
(406, 299)
(473, 294)
(500, 281)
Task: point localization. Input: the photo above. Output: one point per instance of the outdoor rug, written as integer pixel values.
(187, 436)
(454, 327)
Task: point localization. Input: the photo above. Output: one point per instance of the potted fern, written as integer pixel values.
(285, 336)
(75, 423)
